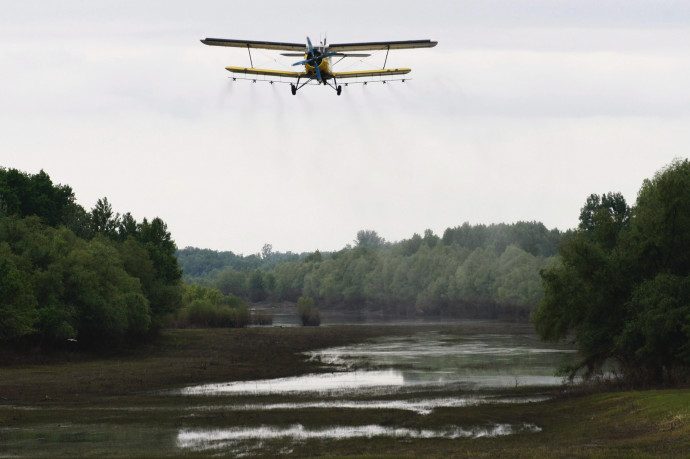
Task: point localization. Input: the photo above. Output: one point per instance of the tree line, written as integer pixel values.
(472, 271)
(70, 274)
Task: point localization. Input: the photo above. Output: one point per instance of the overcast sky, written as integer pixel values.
(522, 110)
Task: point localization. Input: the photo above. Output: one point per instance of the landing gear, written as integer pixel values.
(293, 88)
(339, 90)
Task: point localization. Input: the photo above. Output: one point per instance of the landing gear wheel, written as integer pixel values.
(293, 88)
(340, 88)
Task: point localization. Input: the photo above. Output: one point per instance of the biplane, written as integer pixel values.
(316, 60)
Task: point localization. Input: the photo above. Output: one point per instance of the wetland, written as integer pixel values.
(466, 388)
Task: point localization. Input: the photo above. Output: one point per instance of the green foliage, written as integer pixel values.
(25, 195)
(103, 220)
(499, 277)
(257, 286)
(369, 238)
(231, 281)
(623, 286)
(66, 287)
(308, 312)
(532, 237)
(207, 307)
(70, 274)
(18, 313)
(200, 265)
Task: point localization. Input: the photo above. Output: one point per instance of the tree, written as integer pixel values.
(430, 238)
(127, 227)
(266, 251)
(26, 195)
(18, 314)
(369, 238)
(623, 287)
(603, 218)
(257, 286)
(232, 282)
(103, 220)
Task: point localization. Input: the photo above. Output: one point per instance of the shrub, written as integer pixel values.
(308, 312)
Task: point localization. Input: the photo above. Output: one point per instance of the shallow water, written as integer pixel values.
(420, 406)
(247, 439)
(424, 361)
(386, 374)
(415, 375)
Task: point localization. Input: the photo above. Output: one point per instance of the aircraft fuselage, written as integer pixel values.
(324, 64)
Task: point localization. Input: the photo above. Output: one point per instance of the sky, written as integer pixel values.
(523, 110)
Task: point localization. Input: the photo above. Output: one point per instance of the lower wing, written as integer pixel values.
(273, 73)
(371, 73)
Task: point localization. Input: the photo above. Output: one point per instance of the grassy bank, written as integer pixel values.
(77, 406)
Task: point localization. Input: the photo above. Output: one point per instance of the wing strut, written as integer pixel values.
(250, 55)
(386, 59)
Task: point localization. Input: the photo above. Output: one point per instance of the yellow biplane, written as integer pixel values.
(316, 60)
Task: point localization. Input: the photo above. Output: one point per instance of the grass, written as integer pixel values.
(109, 406)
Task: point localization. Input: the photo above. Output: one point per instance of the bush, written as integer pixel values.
(308, 312)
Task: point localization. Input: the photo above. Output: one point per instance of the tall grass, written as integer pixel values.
(262, 318)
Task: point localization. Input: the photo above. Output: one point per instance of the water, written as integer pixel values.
(384, 388)
(246, 440)
(426, 360)
(398, 373)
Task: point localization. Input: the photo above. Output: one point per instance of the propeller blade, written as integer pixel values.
(311, 48)
(318, 73)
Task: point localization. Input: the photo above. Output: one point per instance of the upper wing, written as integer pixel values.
(254, 44)
(273, 73)
(339, 47)
(370, 73)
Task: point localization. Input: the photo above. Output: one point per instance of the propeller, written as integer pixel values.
(314, 59)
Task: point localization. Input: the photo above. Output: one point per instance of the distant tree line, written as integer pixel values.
(472, 271)
(622, 286)
(71, 274)
(202, 264)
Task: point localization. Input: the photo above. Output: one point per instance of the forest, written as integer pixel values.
(68, 275)
(471, 271)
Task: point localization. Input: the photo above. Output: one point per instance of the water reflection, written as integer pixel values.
(327, 382)
(424, 360)
(202, 439)
(421, 406)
